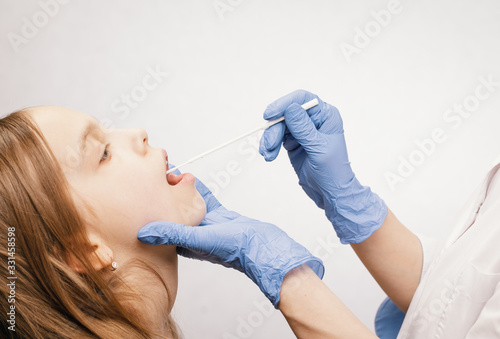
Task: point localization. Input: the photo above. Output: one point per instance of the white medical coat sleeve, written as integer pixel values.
(487, 325)
(429, 246)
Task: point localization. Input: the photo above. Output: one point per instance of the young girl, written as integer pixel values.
(80, 215)
(73, 197)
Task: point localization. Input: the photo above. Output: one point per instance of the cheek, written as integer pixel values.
(126, 201)
(129, 203)
(190, 205)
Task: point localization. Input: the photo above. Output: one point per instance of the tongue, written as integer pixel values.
(174, 179)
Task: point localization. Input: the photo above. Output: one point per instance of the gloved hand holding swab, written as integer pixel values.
(266, 125)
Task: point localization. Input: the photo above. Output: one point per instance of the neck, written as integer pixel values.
(163, 260)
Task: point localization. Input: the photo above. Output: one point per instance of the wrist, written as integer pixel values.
(271, 282)
(295, 280)
(355, 213)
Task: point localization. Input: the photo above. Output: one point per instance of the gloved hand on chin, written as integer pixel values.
(260, 250)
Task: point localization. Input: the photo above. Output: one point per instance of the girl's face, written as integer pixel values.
(120, 175)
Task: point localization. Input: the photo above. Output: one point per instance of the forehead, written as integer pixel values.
(62, 128)
(53, 115)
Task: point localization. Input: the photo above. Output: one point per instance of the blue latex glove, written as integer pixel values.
(261, 250)
(388, 320)
(317, 150)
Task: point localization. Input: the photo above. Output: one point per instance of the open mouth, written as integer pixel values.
(174, 179)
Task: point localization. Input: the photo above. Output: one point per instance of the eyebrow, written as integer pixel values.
(89, 128)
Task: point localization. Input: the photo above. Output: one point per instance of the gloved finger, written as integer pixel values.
(172, 234)
(270, 142)
(302, 127)
(205, 256)
(160, 233)
(268, 155)
(187, 253)
(168, 233)
(210, 200)
(290, 143)
(190, 254)
(273, 136)
(276, 109)
(329, 120)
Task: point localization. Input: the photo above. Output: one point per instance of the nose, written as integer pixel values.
(142, 139)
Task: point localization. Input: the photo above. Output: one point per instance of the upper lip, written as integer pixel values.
(165, 156)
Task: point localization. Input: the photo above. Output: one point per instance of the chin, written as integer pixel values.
(197, 211)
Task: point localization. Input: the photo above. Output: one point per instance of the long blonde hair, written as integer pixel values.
(40, 224)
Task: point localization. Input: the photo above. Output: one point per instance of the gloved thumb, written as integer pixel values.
(302, 127)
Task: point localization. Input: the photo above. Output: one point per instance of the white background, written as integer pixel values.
(225, 69)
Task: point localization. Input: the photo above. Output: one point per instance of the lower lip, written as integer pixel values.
(186, 178)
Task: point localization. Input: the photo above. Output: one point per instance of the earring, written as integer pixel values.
(114, 266)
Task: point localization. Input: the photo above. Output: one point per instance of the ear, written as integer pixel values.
(100, 256)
